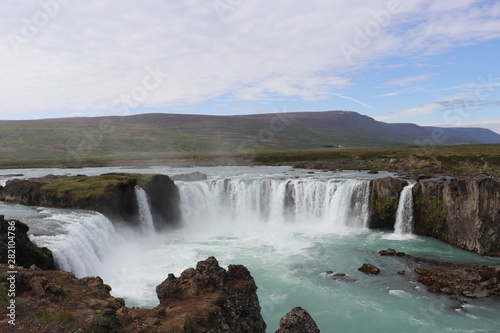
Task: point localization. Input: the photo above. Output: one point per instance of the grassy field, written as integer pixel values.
(452, 160)
(167, 136)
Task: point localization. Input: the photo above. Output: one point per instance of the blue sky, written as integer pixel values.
(425, 62)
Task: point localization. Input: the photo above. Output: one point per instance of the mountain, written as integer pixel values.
(183, 133)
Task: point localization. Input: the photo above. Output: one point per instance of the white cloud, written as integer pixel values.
(411, 112)
(408, 80)
(389, 94)
(352, 99)
(91, 52)
(493, 125)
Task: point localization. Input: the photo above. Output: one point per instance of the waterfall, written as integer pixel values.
(239, 200)
(404, 215)
(84, 239)
(146, 218)
(87, 243)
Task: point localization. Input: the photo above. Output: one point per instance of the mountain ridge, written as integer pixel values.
(191, 133)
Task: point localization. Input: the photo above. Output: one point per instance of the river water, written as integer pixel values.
(288, 227)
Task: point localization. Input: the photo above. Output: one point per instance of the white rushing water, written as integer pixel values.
(146, 218)
(288, 228)
(334, 203)
(404, 214)
(79, 240)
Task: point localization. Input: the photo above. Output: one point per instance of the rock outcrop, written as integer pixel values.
(16, 249)
(465, 213)
(164, 200)
(449, 278)
(189, 177)
(111, 194)
(454, 279)
(56, 301)
(297, 320)
(369, 269)
(384, 198)
(229, 297)
(205, 299)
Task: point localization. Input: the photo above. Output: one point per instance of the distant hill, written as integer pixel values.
(182, 133)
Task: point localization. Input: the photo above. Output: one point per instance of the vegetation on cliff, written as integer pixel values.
(111, 194)
(384, 198)
(90, 188)
(463, 212)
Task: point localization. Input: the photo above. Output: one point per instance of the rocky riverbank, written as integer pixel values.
(471, 281)
(207, 298)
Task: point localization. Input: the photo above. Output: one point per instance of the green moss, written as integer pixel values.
(83, 188)
(104, 324)
(491, 246)
(438, 212)
(434, 213)
(384, 206)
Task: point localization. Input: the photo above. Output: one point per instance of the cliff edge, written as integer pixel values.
(111, 194)
(464, 212)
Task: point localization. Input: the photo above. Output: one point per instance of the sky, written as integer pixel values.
(421, 61)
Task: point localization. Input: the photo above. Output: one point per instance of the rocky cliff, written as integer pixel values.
(297, 321)
(111, 194)
(384, 198)
(206, 299)
(226, 299)
(16, 249)
(465, 213)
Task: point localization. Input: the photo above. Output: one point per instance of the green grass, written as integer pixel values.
(456, 159)
(64, 318)
(75, 141)
(84, 188)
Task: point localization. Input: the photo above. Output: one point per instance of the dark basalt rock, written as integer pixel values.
(235, 304)
(206, 299)
(342, 277)
(369, 269)
(25, 252)
(454, 279)
(384, 198)
(111, 194)
(459, 280)
(464, 213)
(390, 252)
(164, 199)
(422, 177)
(298, 320)
(461, 212)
